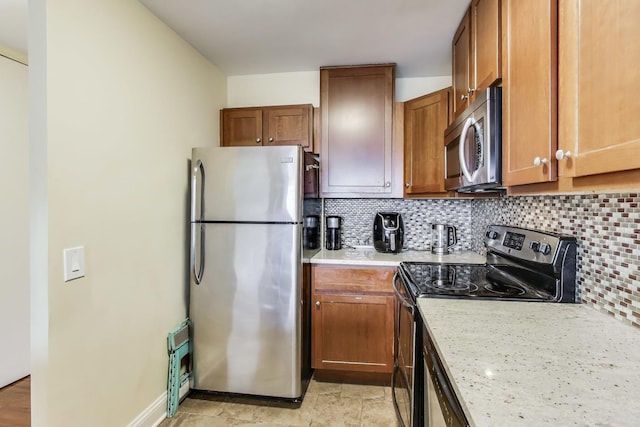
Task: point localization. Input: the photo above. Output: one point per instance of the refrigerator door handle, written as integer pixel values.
(197, 252)
(197, 194)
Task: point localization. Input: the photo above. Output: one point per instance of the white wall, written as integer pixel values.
(14, 222)
(304, 88)
(117, 100)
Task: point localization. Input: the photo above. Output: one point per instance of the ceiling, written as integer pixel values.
(272, 36)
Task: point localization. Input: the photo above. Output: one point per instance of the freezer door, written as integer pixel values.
(247, 184)
(246, 310)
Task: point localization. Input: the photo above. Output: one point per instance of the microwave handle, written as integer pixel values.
(461, 149)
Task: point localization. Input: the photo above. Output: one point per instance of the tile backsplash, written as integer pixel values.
(417, 215)
(607, 227)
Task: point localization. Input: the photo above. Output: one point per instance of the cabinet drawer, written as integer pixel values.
(353, 279)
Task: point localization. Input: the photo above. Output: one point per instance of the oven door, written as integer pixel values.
(406, 385)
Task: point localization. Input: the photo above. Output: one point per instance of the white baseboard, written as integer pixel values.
(153, 415)
(157, 411)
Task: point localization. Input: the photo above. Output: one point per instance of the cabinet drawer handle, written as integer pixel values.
(318, 304)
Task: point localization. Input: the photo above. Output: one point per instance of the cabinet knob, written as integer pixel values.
(258, 140)
(318, 304)
(387, 184)
(560, 154)
(464, 97)
(270, 139)
(540, 161)
(407, 185)
(470, 90)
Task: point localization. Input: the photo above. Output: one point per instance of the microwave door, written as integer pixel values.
(470, 150)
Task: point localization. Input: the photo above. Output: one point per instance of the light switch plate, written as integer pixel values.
(73, 263)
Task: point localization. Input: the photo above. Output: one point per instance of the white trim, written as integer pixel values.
(157, 411)
(153, 415)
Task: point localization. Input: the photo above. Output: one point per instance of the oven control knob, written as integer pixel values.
(545, 248)
(535, 246)
(492, 234)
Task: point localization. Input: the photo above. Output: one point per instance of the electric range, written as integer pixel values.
(522, 265)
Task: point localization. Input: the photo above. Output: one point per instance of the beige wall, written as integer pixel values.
(14, 222)
(304, 88)
(118, 100)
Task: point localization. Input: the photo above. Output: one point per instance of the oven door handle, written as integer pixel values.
(404, 301)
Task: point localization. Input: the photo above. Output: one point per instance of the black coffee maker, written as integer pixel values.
(333, 239)
(311, 232)
(388, 232)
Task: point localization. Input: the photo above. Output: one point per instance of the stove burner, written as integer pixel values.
(504, 289)
(441, 285)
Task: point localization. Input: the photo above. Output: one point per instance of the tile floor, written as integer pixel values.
(325, 404)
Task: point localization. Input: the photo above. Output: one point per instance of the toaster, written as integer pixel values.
(388, 232)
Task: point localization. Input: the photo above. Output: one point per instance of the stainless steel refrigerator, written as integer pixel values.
(246, 298)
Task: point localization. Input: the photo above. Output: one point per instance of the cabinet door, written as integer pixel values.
(352, 332)
(356, 108)
(529, 91)
(289, 125)
(599, 86)
(241, 127)
(425, 120)
(485, 23)
(461, 66)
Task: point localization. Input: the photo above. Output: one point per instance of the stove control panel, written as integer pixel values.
(525, 244)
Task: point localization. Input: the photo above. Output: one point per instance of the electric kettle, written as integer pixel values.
(443, 237)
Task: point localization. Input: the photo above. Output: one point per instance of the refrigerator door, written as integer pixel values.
(246, 311)
(247, 184)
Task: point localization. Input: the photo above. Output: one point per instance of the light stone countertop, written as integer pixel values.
(537, 364)
(369, 256)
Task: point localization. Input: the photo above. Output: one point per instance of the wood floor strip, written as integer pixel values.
(15, 404)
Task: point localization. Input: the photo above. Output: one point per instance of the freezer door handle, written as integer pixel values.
(197, 251)
(197, 191)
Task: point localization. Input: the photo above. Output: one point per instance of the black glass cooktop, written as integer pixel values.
(476, 281)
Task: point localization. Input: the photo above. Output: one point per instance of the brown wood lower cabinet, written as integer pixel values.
(352, 319)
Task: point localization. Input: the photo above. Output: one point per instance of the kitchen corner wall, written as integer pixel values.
(607, 227)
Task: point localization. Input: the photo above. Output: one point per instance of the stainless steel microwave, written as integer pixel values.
(473, 146)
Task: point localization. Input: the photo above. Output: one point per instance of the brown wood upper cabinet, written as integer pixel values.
(570, 125)
(352, 318)
(356, 111)
(476, 52)
(599, 86)
(277, 125)
(425, 119)
(529, 91)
